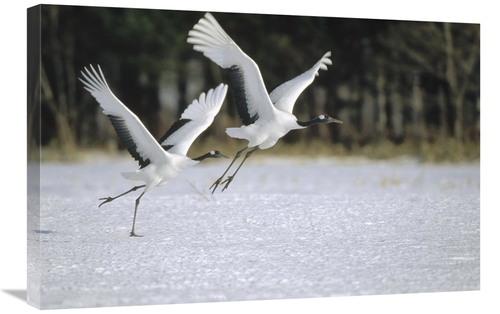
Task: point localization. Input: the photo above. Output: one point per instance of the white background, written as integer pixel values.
(13, 152)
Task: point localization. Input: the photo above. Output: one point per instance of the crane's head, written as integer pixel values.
(216, 154)
(210, 154)
(324, 118)
(321, 119)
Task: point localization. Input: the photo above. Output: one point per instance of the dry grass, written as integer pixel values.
(445, 151)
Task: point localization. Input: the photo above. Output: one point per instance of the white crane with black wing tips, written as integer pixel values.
(266, 117)
(162, 160)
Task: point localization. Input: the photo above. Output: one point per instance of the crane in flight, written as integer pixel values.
(159, 161)
(265, 117)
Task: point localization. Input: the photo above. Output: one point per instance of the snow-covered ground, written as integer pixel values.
(285, 228)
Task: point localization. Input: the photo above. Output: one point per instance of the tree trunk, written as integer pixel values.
(443, 114)
(381, 103)
(396, 114)
(419, 131)
(368, 116)
(452, 80)
(65, 134)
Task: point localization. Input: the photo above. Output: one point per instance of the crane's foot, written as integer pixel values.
(106, 200)
(215, 185)
(227, 181)
(132, 234)
(110, 199)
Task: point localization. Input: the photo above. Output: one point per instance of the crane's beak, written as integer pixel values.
(223, 156)
(333, 120)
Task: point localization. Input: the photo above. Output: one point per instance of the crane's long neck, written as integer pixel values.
(306, 124)
(203, 157)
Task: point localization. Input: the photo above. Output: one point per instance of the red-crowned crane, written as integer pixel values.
(266, 117)
(159, 161)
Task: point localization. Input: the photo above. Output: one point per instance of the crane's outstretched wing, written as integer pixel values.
(195, 119)
(250, 94)
(139, 142)
(285, 95)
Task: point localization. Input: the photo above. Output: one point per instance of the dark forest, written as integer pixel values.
(400, 87)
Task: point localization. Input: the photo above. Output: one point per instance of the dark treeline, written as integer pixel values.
(391, 81)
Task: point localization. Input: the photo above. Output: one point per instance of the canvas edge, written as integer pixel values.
(33, 155)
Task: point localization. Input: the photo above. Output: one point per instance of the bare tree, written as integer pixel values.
(459, 67)
(419, 128)
(381, 125)
(59, 95)
(65, 134)
(425, 47)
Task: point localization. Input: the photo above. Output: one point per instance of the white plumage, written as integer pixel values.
(162, 160)
(201, 114)
(285, 95)
(266, 117)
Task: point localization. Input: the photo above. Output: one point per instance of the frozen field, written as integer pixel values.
(285, 228)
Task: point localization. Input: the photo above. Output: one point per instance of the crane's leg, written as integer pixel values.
(230, 178)
(137, 201)
(110, 199)
(217, 182)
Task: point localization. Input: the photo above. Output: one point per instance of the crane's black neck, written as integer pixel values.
(306, 124)
(205, 156)
(202, 157)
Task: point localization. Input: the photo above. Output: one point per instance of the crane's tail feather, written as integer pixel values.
(235, 133)
(132, 175)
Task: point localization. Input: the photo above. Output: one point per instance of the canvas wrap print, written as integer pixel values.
(183, 156)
